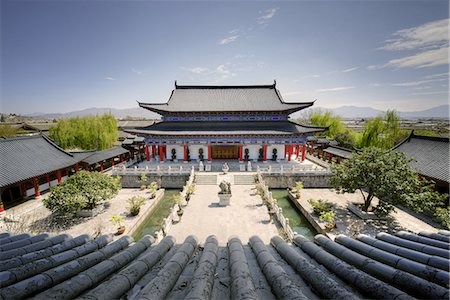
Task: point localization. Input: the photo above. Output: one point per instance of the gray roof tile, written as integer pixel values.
(385, 267)
(25, 157)
(339, 151)
(431, 155)
(225, 98)
(98, 156)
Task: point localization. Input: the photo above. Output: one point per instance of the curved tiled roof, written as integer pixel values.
(24, 157)
(400, 266)
(430, 154)
(225, 98)
(339, 151)
(227, 128)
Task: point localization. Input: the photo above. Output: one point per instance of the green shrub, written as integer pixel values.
(443, 215)
(320, 206)
(327, 216)
(84, 190)
(118, 220)
(135, 204)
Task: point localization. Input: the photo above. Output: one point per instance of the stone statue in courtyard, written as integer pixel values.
(201, 167)
(225, 168)
(249, 166)
(224, 193)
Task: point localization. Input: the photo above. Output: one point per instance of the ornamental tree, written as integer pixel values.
(387, 176)
(84, 190)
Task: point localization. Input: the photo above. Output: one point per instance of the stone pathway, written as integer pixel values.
(245, 217)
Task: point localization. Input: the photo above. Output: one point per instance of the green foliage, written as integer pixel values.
(426, 132)
(327, 216)
(118, 220)
(443, 215)
(143, 177)
(346, 139)
(90, 132)
(383, 132)
(8, 130)
(153, 186)
(84, 190)
(327, 119)
(135, 204)
(321, 206)
(385, 175)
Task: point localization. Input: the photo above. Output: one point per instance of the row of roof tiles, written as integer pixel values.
(25, 157)
(401, 266)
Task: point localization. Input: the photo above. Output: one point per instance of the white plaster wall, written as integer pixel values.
(253, 150)
(280, 151)
(193, 151)
(178, 148)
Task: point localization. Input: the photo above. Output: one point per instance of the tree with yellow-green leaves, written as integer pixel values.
(89, 132)
(327, 119)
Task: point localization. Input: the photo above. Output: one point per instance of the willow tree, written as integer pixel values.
(327, 119)
(89, 132)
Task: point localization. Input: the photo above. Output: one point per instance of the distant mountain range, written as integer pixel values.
(438, 112)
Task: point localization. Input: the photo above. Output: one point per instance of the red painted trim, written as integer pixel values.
(147, 153)
(240, 152)
(265, 152)
(185, 152)
(101, 167)
(36, 187)
(58, 174)
(303, 152)
(76, 168)
(209, 152)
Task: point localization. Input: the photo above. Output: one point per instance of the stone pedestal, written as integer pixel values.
(224, 199)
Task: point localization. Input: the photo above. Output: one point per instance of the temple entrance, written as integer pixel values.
(225, 152)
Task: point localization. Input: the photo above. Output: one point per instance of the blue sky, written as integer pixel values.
(59, 56)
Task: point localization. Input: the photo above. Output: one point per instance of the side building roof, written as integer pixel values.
(400, 266)
(92, 157)
(339, 151)
(430, 154)
(25, 157)
(225, 99)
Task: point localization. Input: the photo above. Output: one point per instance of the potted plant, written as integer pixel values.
(261, 154)
(135, 204)
(224, 193)
(143, 177)
(178, 200)
(200, 154)
(153, 187)
(174, 154)
(298, 188)
(328, 217)
(246, 154)
(190, 191)
(119, 221)
(274, 154)
(320, 206)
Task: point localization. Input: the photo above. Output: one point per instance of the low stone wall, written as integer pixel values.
(309, 180)
(164, 181)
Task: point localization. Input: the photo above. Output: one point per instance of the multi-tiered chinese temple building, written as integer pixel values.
(225, 122)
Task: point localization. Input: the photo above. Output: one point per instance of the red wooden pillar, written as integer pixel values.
(330, 158)
(265, 152)
(48, 180)
(297, 153)
(185, 152)
(153, 151)
(58, 174)
(240, 152)
(160, 153)
(289, 152)
(303, 152)
(209, 152)
(87, 167)
(36, 187)
(101, 167)
(147, 153)
(76, 168)
(112, 162)
(121, 158)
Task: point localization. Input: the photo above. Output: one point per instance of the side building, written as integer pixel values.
(430, 158)
(225, 122)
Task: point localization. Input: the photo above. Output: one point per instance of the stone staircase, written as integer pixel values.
(244, 179)
(206, 179)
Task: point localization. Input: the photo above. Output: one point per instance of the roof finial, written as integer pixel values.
(274, 83)
(176, 84)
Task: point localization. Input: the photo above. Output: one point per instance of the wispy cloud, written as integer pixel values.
(418, 82)
(196, 70)
(137, 71)
(433, 34)
(110, 78)
(374, 84)
(429, 93)
(266, 16)
(437, 75)
(306, 77)
(350, 69)
(430, 40)
(224, 72)
(335, 89)
(228, 39)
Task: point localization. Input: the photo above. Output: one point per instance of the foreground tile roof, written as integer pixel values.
(400, 266)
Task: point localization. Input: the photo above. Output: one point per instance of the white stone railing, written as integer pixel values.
(277, 211)
(159, 170)
(281, 169)
(173, 216)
